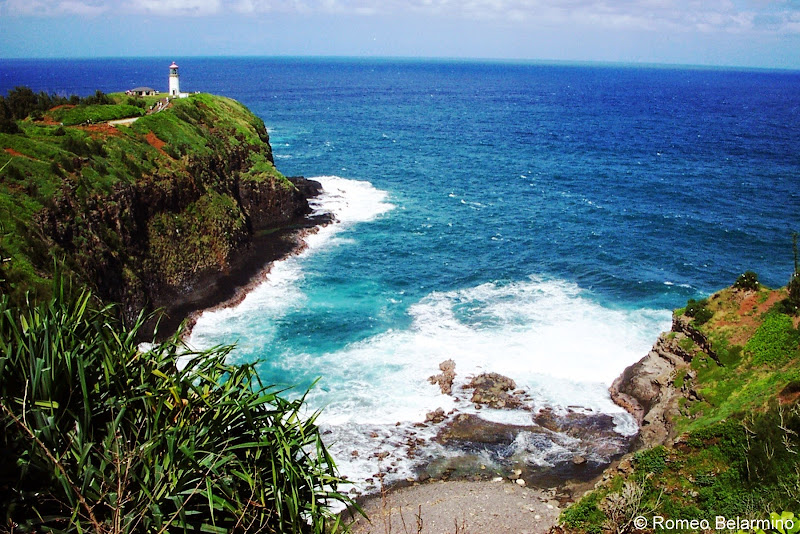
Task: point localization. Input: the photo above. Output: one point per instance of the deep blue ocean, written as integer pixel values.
(538, 220)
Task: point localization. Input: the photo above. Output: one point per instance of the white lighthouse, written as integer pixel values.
(174, 84)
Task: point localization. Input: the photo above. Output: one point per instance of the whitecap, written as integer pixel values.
(548, 335)
(552, 337)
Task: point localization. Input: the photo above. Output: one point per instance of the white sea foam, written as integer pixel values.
(559, 345)
(550, 336)
(555, 342)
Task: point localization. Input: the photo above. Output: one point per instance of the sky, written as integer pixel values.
(746, 33)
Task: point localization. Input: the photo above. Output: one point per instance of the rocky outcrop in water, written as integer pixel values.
(446, 377)
(492, 390)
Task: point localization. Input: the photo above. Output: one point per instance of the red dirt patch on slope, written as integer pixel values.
(155, 142)
(100, 129)
(15, 153)
(748, 315)
(751, 303)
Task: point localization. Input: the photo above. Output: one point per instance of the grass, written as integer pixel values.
(710, 474)
(775, 341)
(70, 116)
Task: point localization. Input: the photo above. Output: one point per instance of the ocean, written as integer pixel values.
(536, 220)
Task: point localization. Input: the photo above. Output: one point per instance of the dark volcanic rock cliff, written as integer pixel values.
(161, 213)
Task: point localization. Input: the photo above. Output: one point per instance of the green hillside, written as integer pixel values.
(737, 421)
(141, 211)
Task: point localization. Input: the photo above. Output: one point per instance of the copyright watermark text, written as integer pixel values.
(719, 522)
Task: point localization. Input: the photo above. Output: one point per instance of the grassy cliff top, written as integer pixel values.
(75, 152)
(738, 420)
(757, 354)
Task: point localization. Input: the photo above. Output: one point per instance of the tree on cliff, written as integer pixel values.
(101, 435)
(794, 281)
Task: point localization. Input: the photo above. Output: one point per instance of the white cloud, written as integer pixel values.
(177, 7)
(49, 7)
(72, 7)
(772, 16)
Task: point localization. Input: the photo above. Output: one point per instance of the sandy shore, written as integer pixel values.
(460, 507)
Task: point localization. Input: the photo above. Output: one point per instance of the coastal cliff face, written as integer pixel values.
(648, 389)
(151, 214)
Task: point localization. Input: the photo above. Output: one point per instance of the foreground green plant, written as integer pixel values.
(101, 436)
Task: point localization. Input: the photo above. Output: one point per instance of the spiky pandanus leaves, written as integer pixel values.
(101, 436)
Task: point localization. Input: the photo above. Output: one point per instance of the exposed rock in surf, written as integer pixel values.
(581, 425)
(436, 416)
(469, 429)
(538, 455)
(308, 188)
(492, 389)
(446, 377)
(596, 430)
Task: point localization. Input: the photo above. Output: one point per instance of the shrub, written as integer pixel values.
(99, 98)
(794, 290)
(651, 460)
(138, 102)
(14, 173)
(786, 307)
(102, 436)
(55, 168)
(748, 281)
(76, 145)
(584, 515)
(794, 281)
(8, 126)
(67, 164)
(772, 449)
(697, 310)
(730, 356)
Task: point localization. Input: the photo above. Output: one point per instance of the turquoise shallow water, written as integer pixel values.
(535, 220)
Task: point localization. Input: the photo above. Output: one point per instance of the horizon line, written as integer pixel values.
(443, 59)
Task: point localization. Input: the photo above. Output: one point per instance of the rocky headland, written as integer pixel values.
(173, 210)
(718, 417)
